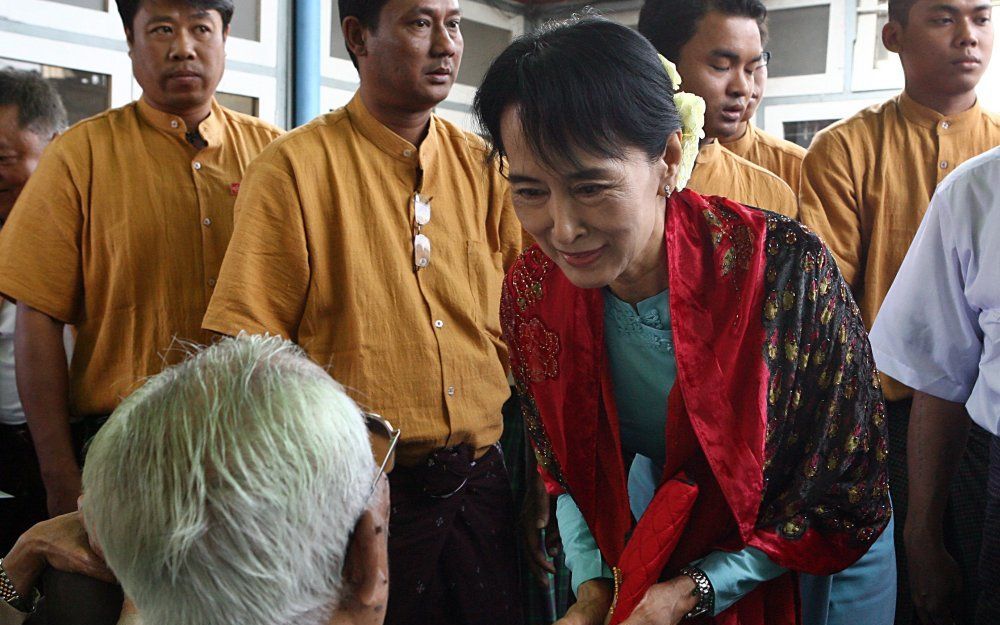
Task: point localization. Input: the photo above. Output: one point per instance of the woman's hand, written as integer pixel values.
(666, 603)
(537, 514)
(592, 604)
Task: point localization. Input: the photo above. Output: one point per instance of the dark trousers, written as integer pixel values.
(20, 477)
(963, 520)
(988, 609)
(452, 551)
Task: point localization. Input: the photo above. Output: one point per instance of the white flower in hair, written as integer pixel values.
(691, 110)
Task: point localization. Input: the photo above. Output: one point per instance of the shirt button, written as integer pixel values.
(173, 123)
(197, 165)
(944, 164)
(946, 125)
(451, 391)
(207, 221)
(407, 153)
(211, 282)
(439, 324)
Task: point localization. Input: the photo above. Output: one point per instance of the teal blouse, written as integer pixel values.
(643, 369)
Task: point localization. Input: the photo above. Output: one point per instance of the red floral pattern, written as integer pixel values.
(539, 351)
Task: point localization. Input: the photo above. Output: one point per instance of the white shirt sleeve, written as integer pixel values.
(926, 334)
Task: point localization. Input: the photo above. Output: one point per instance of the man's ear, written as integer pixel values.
(354, 35)
(366, 566)
(892, 32)
(225, 32)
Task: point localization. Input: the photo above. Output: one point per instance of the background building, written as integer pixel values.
(827, 57)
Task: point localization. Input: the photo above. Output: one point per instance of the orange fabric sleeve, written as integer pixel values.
(829, 203)
(265, 276)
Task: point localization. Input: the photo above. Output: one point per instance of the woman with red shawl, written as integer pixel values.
(696, 380)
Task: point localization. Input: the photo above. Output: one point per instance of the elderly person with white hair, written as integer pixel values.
(239, 487)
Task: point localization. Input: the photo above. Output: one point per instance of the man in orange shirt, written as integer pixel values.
(376, 238)
(121, 230)
(717, 47)
(854, 196)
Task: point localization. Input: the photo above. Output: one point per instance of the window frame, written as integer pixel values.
(867, 76)
(107, 24)
(95, 24)
(113, 63)
(775, 115)
(832, 79)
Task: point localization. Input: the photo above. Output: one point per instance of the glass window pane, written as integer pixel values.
(881, 54)
(83, 93)
(798, 41)
(802, 133)
(97, 5)
(246, 20)
(482, 44)
(239, 103)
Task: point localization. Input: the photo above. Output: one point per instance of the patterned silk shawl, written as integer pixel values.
(775, 384)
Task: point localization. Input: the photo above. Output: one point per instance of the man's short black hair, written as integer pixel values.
(366, 12)
(39, 107)
(670, 24)
(899, 10)
(128, 8)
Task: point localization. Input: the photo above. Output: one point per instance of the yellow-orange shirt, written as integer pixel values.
(323, 254)
(120, 232)
(720, 172)
(867, 181)
(780, 157)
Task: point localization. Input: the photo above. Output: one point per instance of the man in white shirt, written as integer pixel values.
(31, 114)
(938, 332)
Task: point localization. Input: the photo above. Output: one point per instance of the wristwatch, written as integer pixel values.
(706, 601)
(10, 596)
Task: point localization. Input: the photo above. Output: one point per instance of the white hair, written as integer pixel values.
(225, 490)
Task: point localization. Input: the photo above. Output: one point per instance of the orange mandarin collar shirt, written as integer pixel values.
(121, 232)
(867, 181)
(780, 157)
(323, 254)
(720, 172)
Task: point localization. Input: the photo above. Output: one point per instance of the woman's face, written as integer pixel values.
(601, 222)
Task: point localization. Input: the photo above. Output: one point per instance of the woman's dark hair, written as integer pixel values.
(128, 8)
(670, 24)
(583, 84)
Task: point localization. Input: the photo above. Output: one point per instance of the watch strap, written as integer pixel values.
(703, 585)
(10, 596)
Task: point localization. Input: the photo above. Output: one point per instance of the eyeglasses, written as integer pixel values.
(421, 244)
(765, 58)
(383, 438)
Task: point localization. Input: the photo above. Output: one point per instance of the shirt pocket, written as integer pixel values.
(485, 282)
